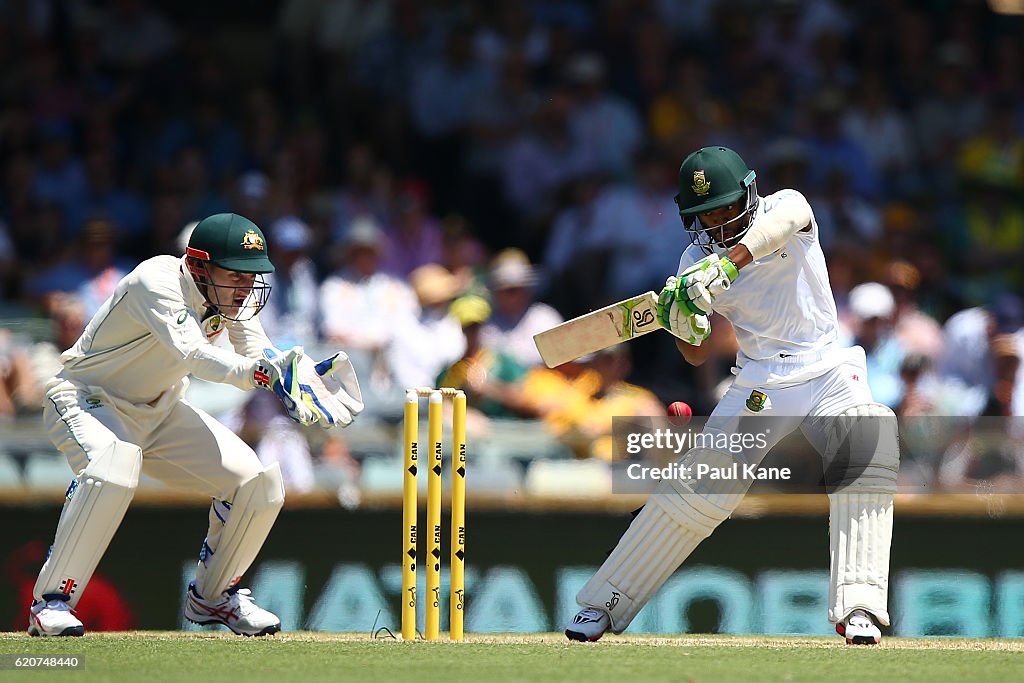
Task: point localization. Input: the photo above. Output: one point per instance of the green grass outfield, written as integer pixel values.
(151, 657)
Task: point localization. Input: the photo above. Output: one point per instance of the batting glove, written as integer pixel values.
(278, 371)
(692, 328)
(699, 284)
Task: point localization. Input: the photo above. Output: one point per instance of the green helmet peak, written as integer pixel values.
(232, 242)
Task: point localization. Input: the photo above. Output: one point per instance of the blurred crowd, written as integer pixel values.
(441, 179)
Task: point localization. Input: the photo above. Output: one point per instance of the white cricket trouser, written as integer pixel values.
(181, 446)
(671, 525)
(184, 448)
(798, 406)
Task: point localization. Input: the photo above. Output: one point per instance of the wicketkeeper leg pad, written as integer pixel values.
(675, 519)
(237, 531)
(863, 461)
(96, 502)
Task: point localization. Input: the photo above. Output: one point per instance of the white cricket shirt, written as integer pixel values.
(151, 333)
(782, 303)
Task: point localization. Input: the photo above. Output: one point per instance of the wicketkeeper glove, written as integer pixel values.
(278, 371)
(331, 389)
(699, 284)
(692, 328)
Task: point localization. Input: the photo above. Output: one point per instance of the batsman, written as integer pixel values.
(757, 261)
(116, 409)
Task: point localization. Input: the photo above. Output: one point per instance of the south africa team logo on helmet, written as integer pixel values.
(701, 186)
(252, 240)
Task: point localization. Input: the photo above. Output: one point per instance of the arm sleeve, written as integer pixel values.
(160, 307)
(786, 213)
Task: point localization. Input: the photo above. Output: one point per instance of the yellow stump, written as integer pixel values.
(435, 417)
(458, 581)
(409, 511)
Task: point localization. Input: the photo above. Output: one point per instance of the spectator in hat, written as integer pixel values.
(289, 317)
(872, 308)
(361, 307)
(517, 316)
(359, 302)
(424, 344)
(491, 379)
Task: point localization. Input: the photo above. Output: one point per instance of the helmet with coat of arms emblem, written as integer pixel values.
(711, 180)
(227, 257)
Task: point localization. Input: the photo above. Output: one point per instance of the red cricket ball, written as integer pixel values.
(679, 413)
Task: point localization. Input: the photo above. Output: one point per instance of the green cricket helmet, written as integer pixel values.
(231, 242)
(709, 179)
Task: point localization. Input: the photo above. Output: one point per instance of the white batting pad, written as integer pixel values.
(860, 534)
(863, 450)
(96, 502)
(237, 532)
(672, 523)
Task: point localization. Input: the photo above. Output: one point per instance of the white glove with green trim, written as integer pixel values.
(692, 328)
(699, 284)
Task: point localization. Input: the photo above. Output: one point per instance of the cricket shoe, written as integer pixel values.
(588, 625)
(859, 629)
(53, 618)
(236, 610)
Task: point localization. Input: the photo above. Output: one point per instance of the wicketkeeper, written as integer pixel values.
(116, 409)
(757, 261)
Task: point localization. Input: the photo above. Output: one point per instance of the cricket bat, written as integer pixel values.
(599, 329)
